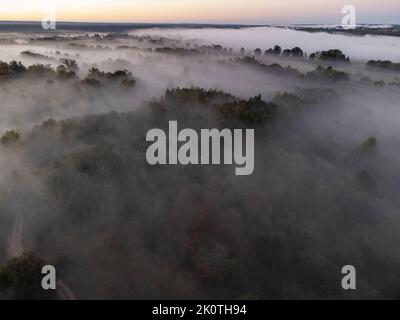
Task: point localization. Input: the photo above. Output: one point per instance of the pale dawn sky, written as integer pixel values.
(214, 11)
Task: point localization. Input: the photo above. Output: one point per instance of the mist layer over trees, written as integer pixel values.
(76, 190)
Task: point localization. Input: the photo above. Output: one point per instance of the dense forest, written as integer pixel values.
(73, 170)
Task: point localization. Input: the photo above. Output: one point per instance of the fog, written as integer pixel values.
(323, 194)
(359, 48)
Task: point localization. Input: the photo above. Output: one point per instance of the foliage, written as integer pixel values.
(369, 144)
(385, 65)
(276, 51)
(63, 73)
(196, 94)
(327, 74)
(178, 51)
(70, 64)
(97, 77)
(295, 52)
(10, 138)
(290, 102)
(330, 55)
(98, 161)
(232, 109)
(21, 278)
(35, 55)
(8, 70)
(66, 71)
(274, 68)
(249, 112)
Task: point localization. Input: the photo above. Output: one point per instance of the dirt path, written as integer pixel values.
(64, 292)
(14, 245)
(15, 248)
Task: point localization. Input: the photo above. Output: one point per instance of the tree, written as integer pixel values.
(10, 137)
(295, 52)
(369, 144)
(330, 55)
(21, 278)
(277, 50)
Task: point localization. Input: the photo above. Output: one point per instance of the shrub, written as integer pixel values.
(248, 112)
(10, 137)
(369, 144)
(21, 278)
(330, 55)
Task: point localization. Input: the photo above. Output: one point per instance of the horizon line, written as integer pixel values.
(186, 23)
(124, 22)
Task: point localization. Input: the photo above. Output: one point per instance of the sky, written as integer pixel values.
(202, 11)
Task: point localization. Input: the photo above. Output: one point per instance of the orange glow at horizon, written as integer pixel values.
(188, 10)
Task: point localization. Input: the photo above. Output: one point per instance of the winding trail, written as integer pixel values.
(14, 245)
(64, 292)
(15, 248)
